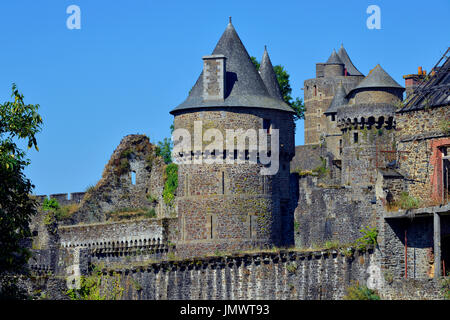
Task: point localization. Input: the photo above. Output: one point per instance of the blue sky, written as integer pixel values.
(133, 61)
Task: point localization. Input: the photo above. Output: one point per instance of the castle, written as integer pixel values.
(370, 159)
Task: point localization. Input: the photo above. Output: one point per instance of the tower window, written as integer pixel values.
(333, 117)
(315, 91)
(267, 125)
(355, 137)
(340, 146)
(318, 127)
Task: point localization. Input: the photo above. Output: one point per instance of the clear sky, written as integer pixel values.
(133, 61)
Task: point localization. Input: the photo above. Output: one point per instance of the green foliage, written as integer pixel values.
(291, 267)
(444, 125)
(18, 121)
(357, 292)
(171, 183)
(164, 149)
(150, 213)
(50, 204)
(90, 287)
(369, 237)
(322, 169)
(445, 287)
(408, 202)
(286, 90)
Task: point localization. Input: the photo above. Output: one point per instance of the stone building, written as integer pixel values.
(318, 93)
(229, 205)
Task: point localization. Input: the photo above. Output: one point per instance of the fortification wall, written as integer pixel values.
(113, 234)
(333, 213)
(285, 275)
(63, 198)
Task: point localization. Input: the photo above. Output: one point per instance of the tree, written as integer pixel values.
(286, 90)
(18, 121)
(164, 149)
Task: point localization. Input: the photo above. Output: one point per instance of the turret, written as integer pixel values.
(367, 123)
(234, 201)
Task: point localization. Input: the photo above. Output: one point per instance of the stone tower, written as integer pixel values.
(367, 124)
(320, 123)
(231, 206)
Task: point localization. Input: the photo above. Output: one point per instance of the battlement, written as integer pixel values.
(63, 199)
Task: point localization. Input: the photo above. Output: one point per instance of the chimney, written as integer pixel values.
(412, 80)
(214, 73)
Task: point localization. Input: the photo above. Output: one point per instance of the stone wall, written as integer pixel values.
(420, 154)
(223, 207)
(333, 213)
(318, 94)
(118, 233)
(116, 191)
(286, 275)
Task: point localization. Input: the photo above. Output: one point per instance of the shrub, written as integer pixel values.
(408, 202)
(369, 238)
(171, 183)
(357, 292)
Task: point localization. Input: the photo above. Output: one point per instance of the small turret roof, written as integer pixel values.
(378, 78)
(269, 77)
(334, 58)
(244, 85)
(351, 69)
(339, 99)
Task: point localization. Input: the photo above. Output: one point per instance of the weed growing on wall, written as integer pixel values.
(171, 183)
(357, 292)
(369, 238)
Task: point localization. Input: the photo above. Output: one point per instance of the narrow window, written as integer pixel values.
(267, 125)
(340, 146)
(315, 91)
(223, 182)
(333, 117)
(211, 224)
(133, 178)
(355, 137)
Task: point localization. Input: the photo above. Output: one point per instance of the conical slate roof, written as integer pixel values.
(339, 99)
(334, 58)
(378, 78)
(269, 77)
(351, 69)
(244, 85)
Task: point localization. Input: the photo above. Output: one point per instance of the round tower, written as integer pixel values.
(367, 123)
(236, 199)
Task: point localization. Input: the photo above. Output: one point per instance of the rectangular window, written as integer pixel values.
(355, 137)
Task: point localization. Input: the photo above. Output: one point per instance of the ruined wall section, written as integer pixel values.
(115, 191)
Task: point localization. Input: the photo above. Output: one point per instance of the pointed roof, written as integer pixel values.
(244, 85)
(269, 77)
(378, 78)
(351, 69)
(334, 59)
(339, 99)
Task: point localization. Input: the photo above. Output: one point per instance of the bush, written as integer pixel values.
(357, 292)
(171, 183)
(408, 202)
(369, 238)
